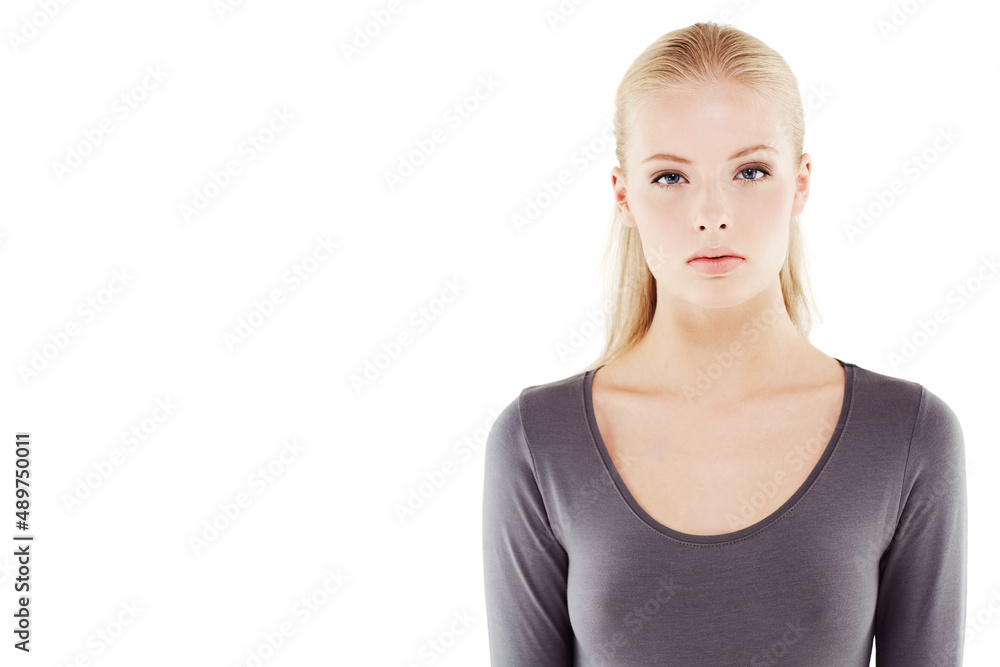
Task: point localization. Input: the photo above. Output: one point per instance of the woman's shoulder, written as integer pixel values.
(905, 401)
(881, 388)
(546, 401)
(540, 415)
(552, 394)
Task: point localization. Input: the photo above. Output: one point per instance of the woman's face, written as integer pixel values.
(687, 188)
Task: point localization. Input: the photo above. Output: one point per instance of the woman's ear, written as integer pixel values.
(618, 185)
(802, 184)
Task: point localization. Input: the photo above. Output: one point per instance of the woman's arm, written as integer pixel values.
(525, 566)
(920, 614)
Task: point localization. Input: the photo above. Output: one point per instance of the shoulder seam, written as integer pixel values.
(909, 449)
(534, 469)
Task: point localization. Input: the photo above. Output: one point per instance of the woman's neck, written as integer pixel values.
(718, 355)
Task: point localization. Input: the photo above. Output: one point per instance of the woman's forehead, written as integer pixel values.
(712, 124)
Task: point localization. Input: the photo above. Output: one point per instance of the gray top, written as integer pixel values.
(873, 545)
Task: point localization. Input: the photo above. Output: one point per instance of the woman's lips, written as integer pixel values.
(716, 265)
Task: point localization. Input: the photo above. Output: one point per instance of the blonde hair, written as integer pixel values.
(700, 54)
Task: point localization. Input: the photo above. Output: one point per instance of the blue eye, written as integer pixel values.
(670, 174)
(754, 180)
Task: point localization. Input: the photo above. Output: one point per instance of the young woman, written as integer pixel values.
(715, 490)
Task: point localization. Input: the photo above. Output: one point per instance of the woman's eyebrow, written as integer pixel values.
(737, 154)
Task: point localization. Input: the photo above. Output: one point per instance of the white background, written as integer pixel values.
(523, 293)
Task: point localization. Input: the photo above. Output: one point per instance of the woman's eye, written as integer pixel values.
(667, 175)
(752, 169)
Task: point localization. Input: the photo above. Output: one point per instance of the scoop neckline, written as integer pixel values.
(786, 507)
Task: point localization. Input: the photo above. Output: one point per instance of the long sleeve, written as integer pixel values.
(920, 613)
(525, 566)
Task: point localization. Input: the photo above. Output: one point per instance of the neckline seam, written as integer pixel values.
(690, 539)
